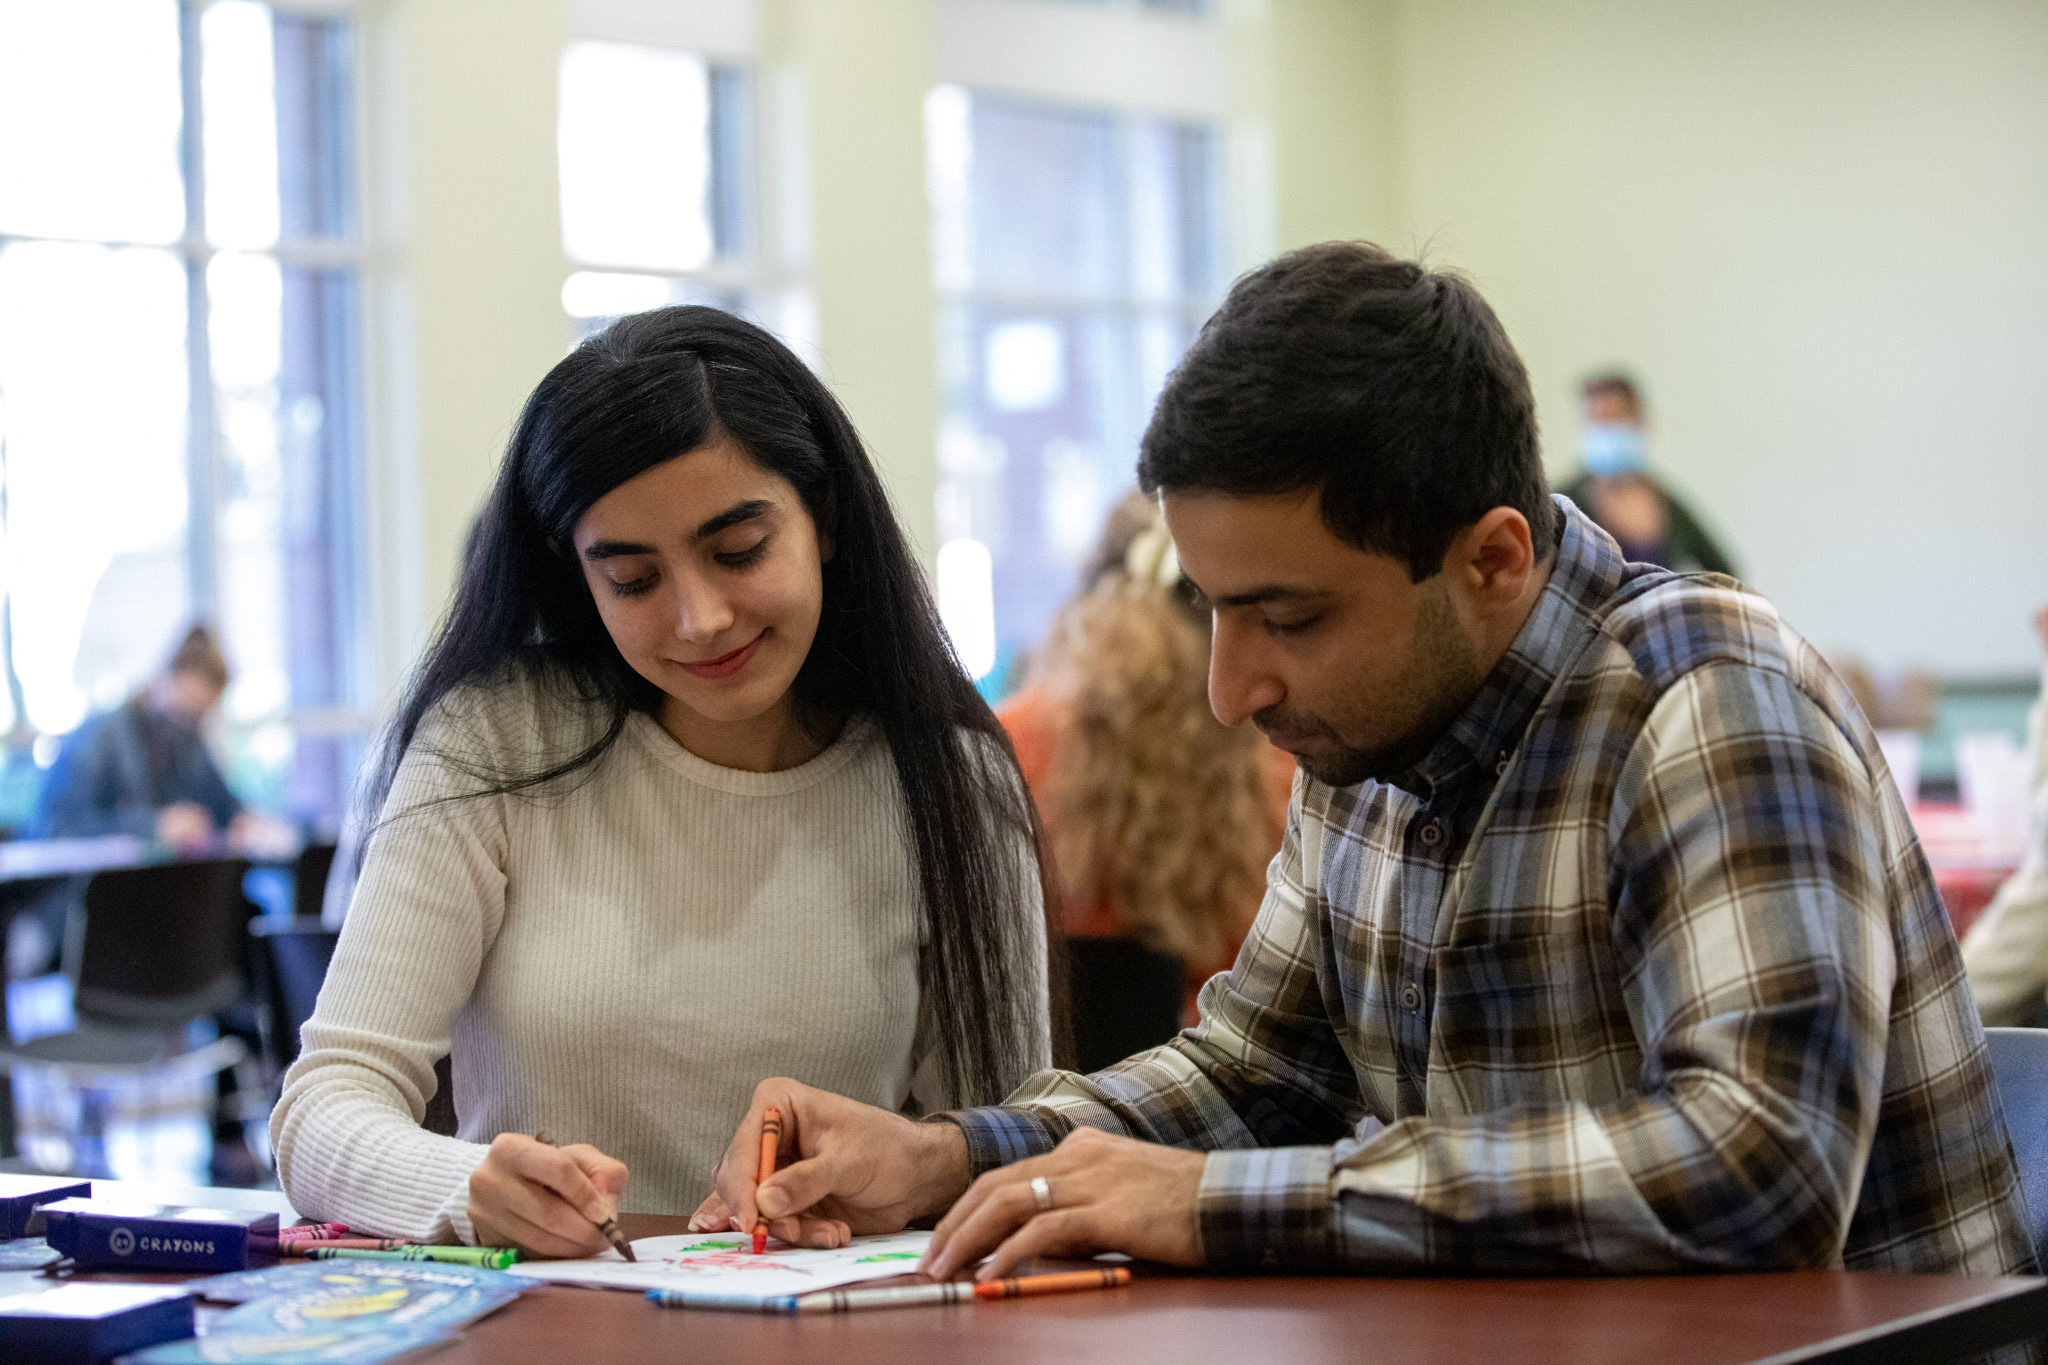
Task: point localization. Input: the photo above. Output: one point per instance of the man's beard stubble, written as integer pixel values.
(1443, 676)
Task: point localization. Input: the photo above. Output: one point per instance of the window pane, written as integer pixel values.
(315, 145)
(95, 424)
(1044, 185)
(634, 139)
(281, 341)
(1075, 249)
(240, 93)
(89, 119)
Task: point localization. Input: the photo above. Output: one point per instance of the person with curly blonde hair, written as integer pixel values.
(1159, 820)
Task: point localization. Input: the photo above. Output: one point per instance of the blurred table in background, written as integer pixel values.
(1969, 865)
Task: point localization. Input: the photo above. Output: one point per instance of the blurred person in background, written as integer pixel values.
(1617, 490)
(2006, 950)
(1159, 820)
(143, 768)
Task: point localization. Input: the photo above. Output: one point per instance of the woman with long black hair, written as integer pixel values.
(688, 791)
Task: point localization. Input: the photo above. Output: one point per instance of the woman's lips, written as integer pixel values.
(725, 665)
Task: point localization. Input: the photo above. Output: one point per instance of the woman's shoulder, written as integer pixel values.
(531, 710)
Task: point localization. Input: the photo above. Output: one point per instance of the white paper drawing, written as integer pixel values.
(725, 1262)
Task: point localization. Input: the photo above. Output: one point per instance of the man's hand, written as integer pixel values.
(544, 1200)
(843, 1167)
(1107, 1194)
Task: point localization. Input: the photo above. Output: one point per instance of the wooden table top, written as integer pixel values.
(1178, 1319)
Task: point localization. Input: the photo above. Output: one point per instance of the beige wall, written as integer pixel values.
(464, 304)
(1817, 231)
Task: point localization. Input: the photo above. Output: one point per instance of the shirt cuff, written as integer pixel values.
(997, 1136)
(1266, 1208)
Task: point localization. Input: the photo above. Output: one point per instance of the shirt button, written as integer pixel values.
(1433, 833)
(1411, 996)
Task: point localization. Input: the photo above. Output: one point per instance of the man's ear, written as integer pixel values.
(1494, 557)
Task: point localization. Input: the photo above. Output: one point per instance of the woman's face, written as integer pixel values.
(708, 573)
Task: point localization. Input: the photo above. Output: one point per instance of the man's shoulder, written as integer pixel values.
(1667, 625)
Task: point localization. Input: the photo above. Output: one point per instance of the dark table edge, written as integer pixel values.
(2012, 1311)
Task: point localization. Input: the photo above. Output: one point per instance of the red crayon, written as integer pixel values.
(299, 1246)
(771, 1138)
(316, 1231)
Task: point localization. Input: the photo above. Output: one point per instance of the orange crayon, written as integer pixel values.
(771, 1138)
(1019, 1286)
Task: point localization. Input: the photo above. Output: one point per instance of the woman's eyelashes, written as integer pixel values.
(743, 559)
(634, 588)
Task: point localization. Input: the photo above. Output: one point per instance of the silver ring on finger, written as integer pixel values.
(1041, 1193)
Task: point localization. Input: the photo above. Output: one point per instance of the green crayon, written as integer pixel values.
(490, 1258)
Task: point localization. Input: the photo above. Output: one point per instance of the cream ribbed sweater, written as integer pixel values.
(616, 964)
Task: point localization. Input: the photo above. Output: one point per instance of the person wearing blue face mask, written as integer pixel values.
(1617, 490)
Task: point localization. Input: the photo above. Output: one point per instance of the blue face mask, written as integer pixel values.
(1611, 448)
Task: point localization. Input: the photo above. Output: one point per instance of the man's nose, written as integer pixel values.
(1240, 683)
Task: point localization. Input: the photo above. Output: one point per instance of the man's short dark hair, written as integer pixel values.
(1388, 387)
(1612, 383)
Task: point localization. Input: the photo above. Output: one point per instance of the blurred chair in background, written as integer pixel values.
(157, 956)
(1159, 821)
(1616, 488)
(2019, 1066)
(2006, 949)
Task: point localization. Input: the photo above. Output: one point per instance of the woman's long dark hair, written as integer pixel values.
(655, 386)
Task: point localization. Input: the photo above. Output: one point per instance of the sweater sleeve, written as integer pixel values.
(2006, 950)
(346, 1129)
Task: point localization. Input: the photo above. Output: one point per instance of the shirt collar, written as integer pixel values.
(1584, 575)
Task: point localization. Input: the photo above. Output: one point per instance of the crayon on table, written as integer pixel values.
(316, 1231)
(771, 1139)
(304, 1246)
(897, 1296)
(608, 1226)
(490, 1258)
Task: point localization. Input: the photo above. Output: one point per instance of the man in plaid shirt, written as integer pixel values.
(1599, 942)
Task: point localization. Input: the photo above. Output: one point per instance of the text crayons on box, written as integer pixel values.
(771, 1140)
(897, 1296)
(119, 1235)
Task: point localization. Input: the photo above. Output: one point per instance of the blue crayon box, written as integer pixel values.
(84, 1324)
(101, 1234)
(22, 1195)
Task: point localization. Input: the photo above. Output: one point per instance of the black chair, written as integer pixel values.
(309, 879)
(152, 951)
(1125, 998)
(291, 960)
(2019, 1065)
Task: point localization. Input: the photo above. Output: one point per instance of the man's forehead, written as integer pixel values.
(1261, 548)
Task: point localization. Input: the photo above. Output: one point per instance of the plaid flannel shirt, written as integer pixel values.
(1641, 970)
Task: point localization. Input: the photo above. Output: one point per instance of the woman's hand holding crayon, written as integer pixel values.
(842, 1167)
(545, 1200)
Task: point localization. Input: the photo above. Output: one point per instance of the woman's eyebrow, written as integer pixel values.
(732, 516)
(726, 520)
(614, 549)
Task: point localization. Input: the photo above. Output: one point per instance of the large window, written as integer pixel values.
(178, 369)
(1076, 251)
(660, 202)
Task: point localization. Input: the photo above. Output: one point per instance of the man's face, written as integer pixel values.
(1608, 408)
(1330, 650)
